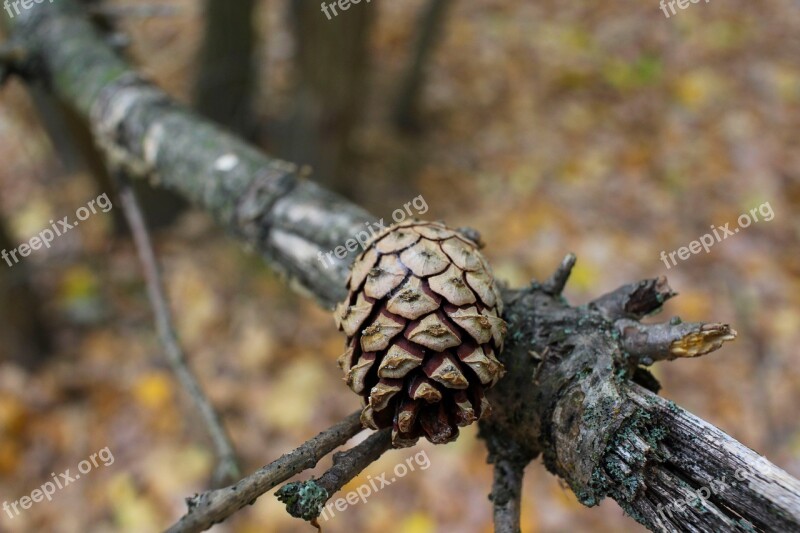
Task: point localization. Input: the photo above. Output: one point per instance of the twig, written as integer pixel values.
(555, 285)
(227, 467)
(507, 495)
(304, 499)
(214, 506)
(668, 341)
(635, 300)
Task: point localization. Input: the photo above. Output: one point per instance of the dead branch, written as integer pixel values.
(227, 467)
(305, 499)
(646, 343)
(214, 506)
(507, 495)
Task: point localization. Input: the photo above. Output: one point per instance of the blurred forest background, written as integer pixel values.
(602, 128)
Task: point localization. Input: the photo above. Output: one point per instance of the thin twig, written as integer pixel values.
(214, 506)
(635, 300)
(507, 495)
(555, 285)
(648, 343)
(304, 499)
(227, 467)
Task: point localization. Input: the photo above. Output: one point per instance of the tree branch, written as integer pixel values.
(305, 499)
(556, 283)
(608, 437)
(635, 300)
(646, 343)
(293, 223)
(214, 506)
(507, 495)
(227, 467)
(693, 475)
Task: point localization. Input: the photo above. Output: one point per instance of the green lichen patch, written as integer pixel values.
(303, 499)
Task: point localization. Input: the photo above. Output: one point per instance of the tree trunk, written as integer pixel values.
(431, 22)
(226, 84)
(332, 67)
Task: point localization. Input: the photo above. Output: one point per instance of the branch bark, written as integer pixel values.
(606, 436)
(263, 201)
(507, 495)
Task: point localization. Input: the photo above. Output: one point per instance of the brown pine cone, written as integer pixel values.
(423, 326)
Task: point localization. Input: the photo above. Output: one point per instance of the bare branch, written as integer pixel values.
(692, 476)
(635, 300)
(227, 467)
(304, 499)
(648, 343)
(267, 203)
(555, 285)
(507, 495)
(215, 506)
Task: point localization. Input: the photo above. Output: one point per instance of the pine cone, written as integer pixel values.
(423, 325)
